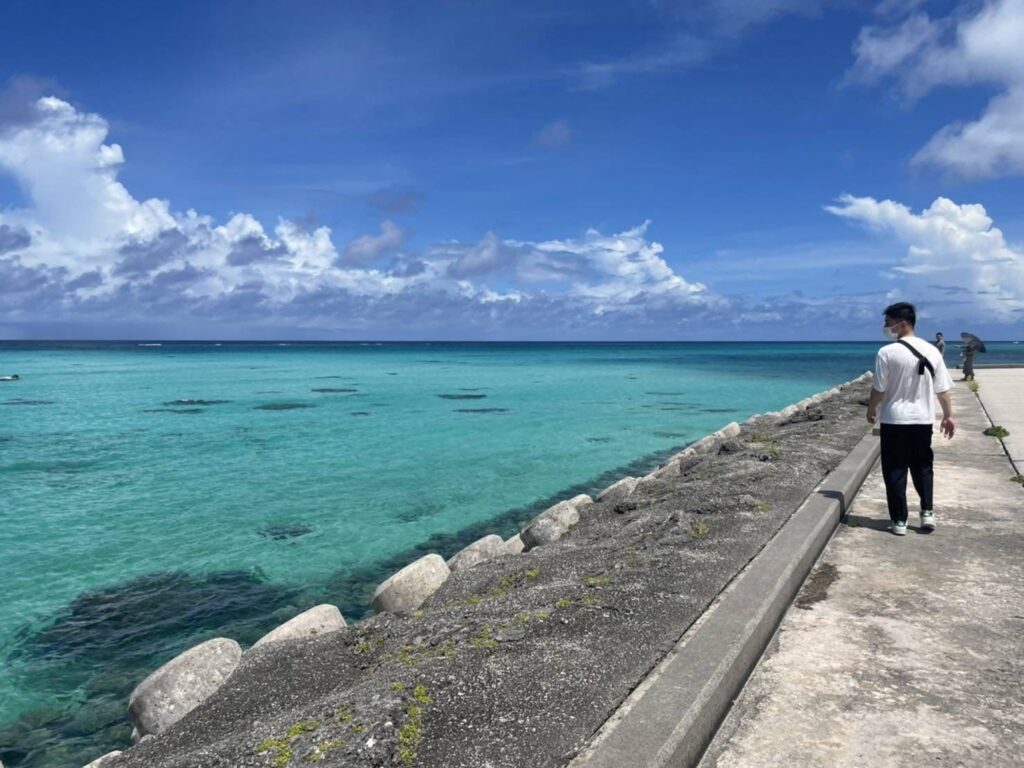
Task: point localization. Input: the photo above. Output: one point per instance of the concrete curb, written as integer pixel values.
(674, 713)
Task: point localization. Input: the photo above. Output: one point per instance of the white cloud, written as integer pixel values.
(626, 265)
(971, 46)
(368, 248)
(950, 248)
(84, 246)
(991, 146)
(696, 30)
(487, 256)
(554, 135)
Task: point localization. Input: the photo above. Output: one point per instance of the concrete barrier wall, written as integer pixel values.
(163, 698)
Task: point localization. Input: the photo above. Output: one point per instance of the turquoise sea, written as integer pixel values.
(154, 495)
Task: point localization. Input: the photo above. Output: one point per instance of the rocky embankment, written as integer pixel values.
(512, 653)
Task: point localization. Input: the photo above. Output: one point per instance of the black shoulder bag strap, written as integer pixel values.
(922, 361)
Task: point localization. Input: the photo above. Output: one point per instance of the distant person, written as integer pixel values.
(940, 344)
(909, 373)
(968, 362)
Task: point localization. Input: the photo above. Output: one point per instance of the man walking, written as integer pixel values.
(940, 344)
(909, 374)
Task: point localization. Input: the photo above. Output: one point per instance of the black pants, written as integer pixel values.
(906, 447)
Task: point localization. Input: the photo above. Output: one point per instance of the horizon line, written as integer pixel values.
(463, 341)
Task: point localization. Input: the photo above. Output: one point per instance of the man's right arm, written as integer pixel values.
(877, 388)
(948, 426)
(873, 402)
(944, 388)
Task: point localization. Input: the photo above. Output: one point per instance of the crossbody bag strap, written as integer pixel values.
(922, 361)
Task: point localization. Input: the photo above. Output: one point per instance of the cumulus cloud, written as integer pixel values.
(951, 248)
(84, 250)
(972, 46)
(368, 248)
(487, 256)
(12, 239)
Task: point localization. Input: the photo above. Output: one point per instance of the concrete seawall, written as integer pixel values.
(674, 713)
(905, 651)
(584, 562)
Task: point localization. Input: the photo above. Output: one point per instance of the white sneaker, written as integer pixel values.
(900, 529)
(927, 520)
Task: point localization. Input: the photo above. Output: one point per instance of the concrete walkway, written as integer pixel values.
(1002, 393)
(904, 651)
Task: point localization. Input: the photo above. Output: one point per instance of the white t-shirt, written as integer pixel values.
(909, 396)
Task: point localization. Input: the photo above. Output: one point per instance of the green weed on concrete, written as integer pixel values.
(282, 746)
(997, 431)
(321, 750)
(412, 732)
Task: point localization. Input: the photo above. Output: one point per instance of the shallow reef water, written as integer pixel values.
(138, 533)
(91, 653)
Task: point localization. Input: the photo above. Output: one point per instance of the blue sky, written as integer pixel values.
(711, 169)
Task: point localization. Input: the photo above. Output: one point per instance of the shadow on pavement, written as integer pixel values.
(859, 521)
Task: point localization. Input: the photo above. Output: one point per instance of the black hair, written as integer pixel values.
(940, 333)
(902, 310)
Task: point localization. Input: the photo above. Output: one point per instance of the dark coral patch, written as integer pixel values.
(196, 402)
(462, 397)
(105, 641)
(282, 531)
(282, 406)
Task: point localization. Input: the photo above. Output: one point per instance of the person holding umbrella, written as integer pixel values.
(909, 375)
(972, 344)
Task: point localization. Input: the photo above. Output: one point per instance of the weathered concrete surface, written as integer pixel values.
(902, 651)
(617, 491)
(180, 685)
(551, 524)
(1002, 393)
(486, 548)
(672, 715)
(315, 621)
(99, 762)
(405, 591)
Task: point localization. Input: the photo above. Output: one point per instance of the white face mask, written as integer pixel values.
(890, 333)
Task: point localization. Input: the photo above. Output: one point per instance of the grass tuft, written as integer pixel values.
(484, 639)
(997, 431)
